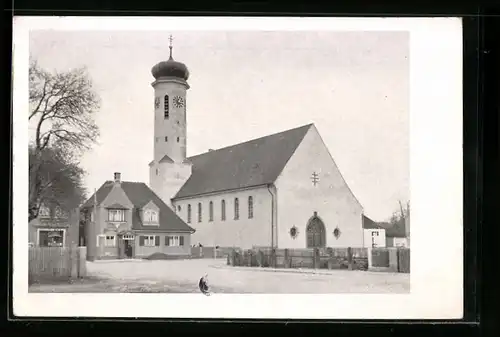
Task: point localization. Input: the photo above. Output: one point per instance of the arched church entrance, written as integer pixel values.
(316, 232)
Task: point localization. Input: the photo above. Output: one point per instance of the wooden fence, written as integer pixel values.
(318, 258)
(49, 263)
(209, 252)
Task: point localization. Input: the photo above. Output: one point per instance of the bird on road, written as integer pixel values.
(203, 285)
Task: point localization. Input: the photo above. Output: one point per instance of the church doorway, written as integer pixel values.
(316, 233)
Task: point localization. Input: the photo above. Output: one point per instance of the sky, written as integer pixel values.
(354, 86)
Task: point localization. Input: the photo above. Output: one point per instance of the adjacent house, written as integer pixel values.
(54, 227)
(374, 234)
(396, 234)
(128, 220)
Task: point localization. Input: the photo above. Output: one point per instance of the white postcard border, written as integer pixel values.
(435, 180)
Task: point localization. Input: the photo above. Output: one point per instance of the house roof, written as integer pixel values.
(139, 195)
(253, 163)
(370, 224)
(396, 230)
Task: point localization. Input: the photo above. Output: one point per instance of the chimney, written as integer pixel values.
(117, 177)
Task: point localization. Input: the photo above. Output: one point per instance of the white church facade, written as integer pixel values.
(283, 190)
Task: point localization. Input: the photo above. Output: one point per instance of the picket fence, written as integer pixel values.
(56, 263)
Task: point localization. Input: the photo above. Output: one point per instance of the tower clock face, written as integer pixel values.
(157, 102)
(178, 101)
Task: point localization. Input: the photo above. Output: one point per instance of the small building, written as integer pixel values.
(128, 220)
(374, 234)
(396, 235)
(54, 227)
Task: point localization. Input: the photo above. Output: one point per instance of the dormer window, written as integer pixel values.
(150, 217)
(116, 215)
(44, 212)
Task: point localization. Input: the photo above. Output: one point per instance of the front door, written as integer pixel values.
(315, 233)
(128, 248)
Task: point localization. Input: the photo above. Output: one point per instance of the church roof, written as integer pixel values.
(140, 195)
(253, 163)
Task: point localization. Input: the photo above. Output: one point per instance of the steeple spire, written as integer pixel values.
(170, 46)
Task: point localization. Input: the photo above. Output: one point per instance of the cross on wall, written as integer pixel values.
(315, 178)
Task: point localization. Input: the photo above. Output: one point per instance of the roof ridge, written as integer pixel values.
(252, 140)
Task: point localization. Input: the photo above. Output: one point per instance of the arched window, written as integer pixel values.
(250, 207)
(166, 107)
(189, 213)
(199, 212)
(223, 210)
(211, 211)
(236, 209)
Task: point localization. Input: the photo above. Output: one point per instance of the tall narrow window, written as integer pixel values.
(178, 139)
(223, 210)
(236, 209)
(250, 207)
(166, 107)
(211, 211)
(199, 212)
(189, 213)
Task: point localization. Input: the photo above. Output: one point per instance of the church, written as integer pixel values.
(283, 190)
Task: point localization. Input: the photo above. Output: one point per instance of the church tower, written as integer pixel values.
(169, 169)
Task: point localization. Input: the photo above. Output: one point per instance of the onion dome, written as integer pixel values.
(170, 68)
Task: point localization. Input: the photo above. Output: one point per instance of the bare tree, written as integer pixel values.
(62, 106)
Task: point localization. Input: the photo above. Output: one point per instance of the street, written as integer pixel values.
(182, 276)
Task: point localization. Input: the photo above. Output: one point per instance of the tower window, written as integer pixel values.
(166, 138)
(189, 214)
(166, 107)
(223, 210)
(236, 209)
(177, 139)
(199, 212)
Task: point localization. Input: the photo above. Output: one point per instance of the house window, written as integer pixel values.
(177, 139)
(250, 207)
(166, 138)
(117, 215)
(166, 107)
(156, 171)
(128, 237)
(43, 212)
(51, 238)
(199, 212)
(149, 241)
(150, 216)
(236, 209)
(174, 241)
(189, 214)
(223, 210)
(179, 208)
(211, 211)
(110, 241)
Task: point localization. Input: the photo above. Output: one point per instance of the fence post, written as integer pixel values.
(287, 258)
(393, 260)
(349, 257)
(273, 258)
(316, 258)
(370, 258)
(74, 260)
(82, 258)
